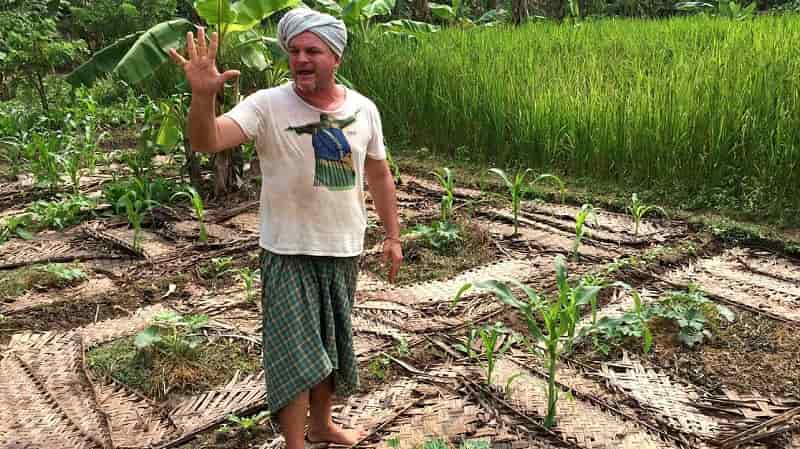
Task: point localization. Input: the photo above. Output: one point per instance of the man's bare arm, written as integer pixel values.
(382, 190)
(207, 132)
(210, 134)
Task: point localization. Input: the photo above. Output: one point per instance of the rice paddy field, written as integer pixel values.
(599, 228)
(702, 108)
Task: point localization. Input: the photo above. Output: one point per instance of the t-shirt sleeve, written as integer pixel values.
(250, 115)
(376, 149)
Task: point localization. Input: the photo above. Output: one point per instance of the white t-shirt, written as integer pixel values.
(312, 168)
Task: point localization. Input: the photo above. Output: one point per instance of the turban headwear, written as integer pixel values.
(299, 20)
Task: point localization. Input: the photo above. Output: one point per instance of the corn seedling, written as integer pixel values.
(197, 204)
(135, 207)
(516, 190)
(445, 178)
(248, 276)
(72, 163)
(173, 334)
(491, 338)
(562, 188)
(639, 210)
(583, 215)
(559, 317)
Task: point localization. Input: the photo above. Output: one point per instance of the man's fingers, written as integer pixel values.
(190, 50)
(212, 49)
(229, 75)
(176, 57)
(201, 42)
(393, 272)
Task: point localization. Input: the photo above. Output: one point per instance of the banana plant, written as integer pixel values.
(516, 189)
(455, 15)
(136, 57)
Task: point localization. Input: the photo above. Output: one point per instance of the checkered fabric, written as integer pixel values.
(307, 333)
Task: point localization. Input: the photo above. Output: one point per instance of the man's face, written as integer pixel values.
(311, 62)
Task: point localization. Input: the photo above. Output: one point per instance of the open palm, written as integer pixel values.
(200, 64)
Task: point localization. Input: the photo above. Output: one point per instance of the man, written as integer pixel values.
(316, 140)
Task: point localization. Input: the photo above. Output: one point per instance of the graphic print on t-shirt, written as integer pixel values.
(334, 166)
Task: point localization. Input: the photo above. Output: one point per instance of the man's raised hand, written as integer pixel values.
(200, 64)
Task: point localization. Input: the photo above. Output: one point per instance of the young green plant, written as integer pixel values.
(445, 178)
(583, 215)
(135, 208)
(639, 210)
(562, 188)
(197, 204)
(248, 276)
(173, 334)
(559, 317)
(490, 336)
(516, 190)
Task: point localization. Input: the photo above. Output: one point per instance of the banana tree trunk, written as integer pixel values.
(421, 10)
(192, 164)
(228, 164)
(519, 11)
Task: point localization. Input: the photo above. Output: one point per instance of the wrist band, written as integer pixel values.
(396, 239)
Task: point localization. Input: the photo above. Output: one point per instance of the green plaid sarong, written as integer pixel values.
(306, 332)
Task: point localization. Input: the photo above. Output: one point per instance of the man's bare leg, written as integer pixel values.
(292, 419)
(322, 426)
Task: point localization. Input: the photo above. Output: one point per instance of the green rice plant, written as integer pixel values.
(696, 121)
(197, 204)
(559, 318)
(516, 189)
(583, 215)
(248, 276)
(562, 188)
(639, 210)
(172, 334)
(445, 178)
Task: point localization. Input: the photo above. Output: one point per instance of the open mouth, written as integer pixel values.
(305, 72)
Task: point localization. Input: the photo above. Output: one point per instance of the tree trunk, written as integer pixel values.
(192, 165)
(39, 83)
(421, 10)
(228, 164)
(491, 4)
(519, 11)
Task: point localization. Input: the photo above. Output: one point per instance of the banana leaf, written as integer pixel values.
(441, 11)
(150, 50)
(250, 12)
(102, 62)
(379, 8)
(409, 25)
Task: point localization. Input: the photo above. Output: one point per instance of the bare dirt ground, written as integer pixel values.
(71, 377)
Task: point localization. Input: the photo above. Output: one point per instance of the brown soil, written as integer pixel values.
(422, 262)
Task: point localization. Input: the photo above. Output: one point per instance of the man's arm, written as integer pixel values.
(210, 134)
(381, 188)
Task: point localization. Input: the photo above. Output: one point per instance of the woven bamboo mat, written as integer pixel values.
(582, 422)
(108, 330)
(46, 398)
(724, 276)
(134, 421)
(445, 290)
(657, 392)
(96, 285)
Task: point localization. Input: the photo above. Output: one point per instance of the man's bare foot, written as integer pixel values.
(335, 434)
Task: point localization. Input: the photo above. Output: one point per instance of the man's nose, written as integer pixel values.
(302, 56)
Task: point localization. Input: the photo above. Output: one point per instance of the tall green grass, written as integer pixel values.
(701, 106)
